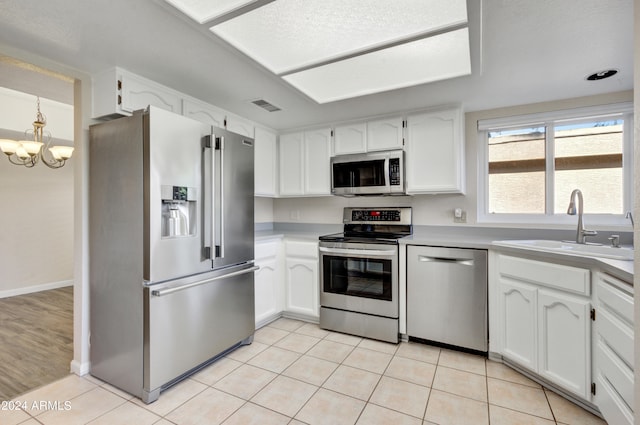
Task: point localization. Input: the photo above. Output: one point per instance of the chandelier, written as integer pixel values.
(33, 150)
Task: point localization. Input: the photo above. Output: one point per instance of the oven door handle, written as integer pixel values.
(352, 252)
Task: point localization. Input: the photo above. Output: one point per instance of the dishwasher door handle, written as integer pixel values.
(461, 261)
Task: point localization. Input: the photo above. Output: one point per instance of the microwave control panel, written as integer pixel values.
(394, 172)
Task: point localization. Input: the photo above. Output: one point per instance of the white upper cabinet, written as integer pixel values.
(304, 163)
(435, 152)
(119, 92)
(385, 134)
(350, 138)
(240, 125)
(317, 154)
(377, 135)
(266, 163)
(203, 112)
(291, 151)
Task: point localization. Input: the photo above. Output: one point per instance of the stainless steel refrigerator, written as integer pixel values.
(171, 248)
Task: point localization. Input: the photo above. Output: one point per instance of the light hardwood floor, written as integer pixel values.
(36, 340)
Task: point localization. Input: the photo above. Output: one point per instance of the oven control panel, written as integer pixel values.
(375, 215)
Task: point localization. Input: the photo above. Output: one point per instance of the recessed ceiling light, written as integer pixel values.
(602, 75)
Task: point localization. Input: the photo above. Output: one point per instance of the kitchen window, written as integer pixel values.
(530, 164)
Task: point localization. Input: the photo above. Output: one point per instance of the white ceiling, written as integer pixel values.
(522, 51)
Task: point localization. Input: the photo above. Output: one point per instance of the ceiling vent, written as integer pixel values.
(265, 105)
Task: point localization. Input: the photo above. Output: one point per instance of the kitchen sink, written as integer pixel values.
(568, 247)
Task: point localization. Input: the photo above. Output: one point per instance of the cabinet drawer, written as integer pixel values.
(615, 334)
(301, 249)
(615, 372)
(610, 293)
(566, 278)
(266, 250)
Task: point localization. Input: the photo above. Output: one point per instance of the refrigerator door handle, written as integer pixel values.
(162, 292)
(219, 188)
(208, 198)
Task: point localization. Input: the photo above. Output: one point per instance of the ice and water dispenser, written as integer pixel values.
(178, 211)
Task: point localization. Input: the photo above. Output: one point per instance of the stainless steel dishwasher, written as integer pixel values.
(447, 296)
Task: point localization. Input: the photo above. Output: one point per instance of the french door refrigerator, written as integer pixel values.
(171, 248)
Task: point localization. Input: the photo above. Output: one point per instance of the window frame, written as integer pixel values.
(549, 120)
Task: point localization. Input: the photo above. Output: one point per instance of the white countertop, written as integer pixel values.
(472, 238)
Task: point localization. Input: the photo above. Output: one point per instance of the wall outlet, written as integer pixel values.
(459, 215)
(294, 215)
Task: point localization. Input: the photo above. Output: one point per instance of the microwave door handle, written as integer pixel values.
(387, 174)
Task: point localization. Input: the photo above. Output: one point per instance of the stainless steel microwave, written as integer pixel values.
(372, 173)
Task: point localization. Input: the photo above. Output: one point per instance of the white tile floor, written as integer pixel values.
(297, 373)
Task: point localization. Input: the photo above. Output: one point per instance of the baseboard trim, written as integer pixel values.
(80, 368)
(35, 288)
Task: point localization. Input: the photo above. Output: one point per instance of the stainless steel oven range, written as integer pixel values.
(359, 273)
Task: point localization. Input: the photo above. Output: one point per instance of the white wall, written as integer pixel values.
(36, 241)
(430, 209)
(263, 210)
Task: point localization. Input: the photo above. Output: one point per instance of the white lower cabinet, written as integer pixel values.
(301, 280)
(564, 340)
(518, 305)
(544, 327)
(287, 281)
(613, 349)
(269, 290)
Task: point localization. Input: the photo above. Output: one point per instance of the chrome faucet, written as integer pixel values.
(582, 233)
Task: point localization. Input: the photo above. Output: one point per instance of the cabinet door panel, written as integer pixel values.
(564, 341)
(518, 305)
(240, 126)
(138, 93)
(266, 290)
(265, 159)
(350, 138)
(435, 152)
(203, 112)
(384, 134)
(317, 154)
(291, 165)
(302, 286)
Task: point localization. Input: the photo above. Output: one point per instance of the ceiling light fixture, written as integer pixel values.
(32, 150)
(322, 47)
(602, 75)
